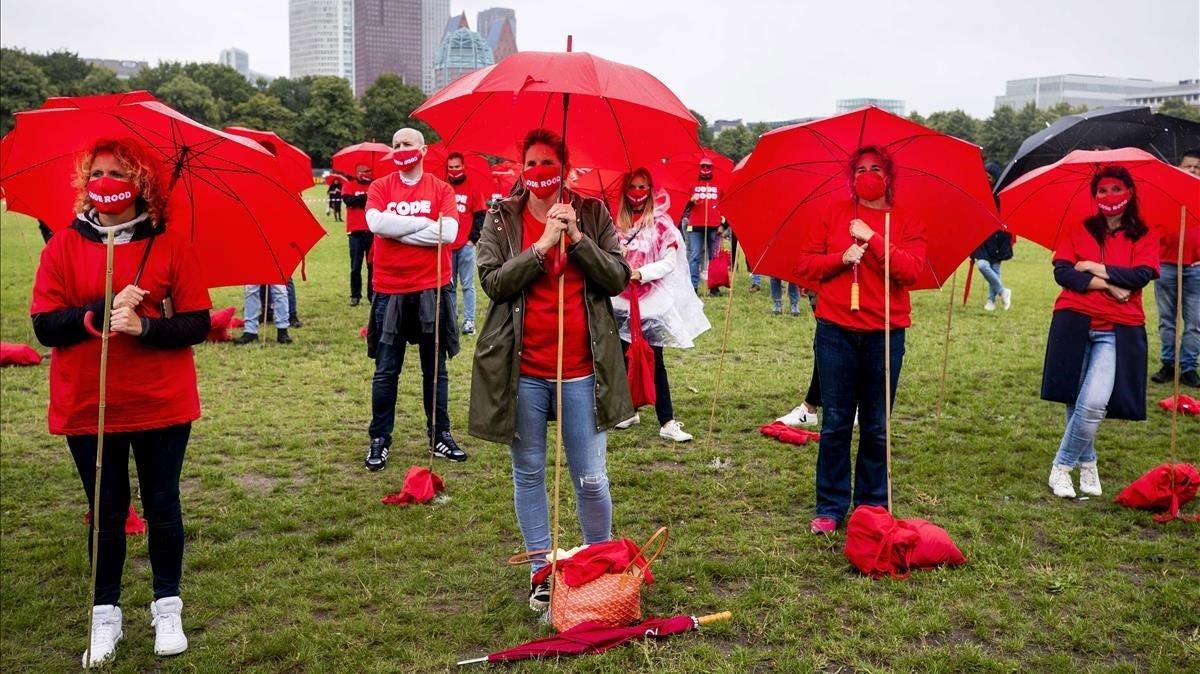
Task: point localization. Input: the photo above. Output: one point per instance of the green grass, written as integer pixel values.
(293, 565)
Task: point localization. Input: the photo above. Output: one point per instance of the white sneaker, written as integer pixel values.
(799, 416)
(631, 421)
(673, 430)
(1006, 298)
(1060, 481)
(1089, 479)
(168, 626)
(990, 305)
(106, 632)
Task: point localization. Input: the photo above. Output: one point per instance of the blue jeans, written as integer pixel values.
(850, 367)
(253, 310)
(756, 280)
(1164, 297)
(464, 275)
(389, 361)
(991, 272)
(698, 244)
(1086, 413)
(585, 450)
(793, 291)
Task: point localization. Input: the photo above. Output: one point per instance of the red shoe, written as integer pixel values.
(823, 525)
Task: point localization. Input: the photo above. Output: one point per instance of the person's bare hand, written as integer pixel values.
(566, 214)
(126, 321)
(129, 297)
(1121, 294)
(861, 230)
(854, 254)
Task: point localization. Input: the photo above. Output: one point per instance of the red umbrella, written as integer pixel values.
(294, 163)
(375, 155)
(797, 172)
(1040, 203)
(225, 189)
(627, 117)
(597, 637)
(605, 184)
(476, 165)
(684, 170)
(505, 174)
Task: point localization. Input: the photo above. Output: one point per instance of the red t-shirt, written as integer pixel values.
(399, 267)
(819, 258)
(1169, 252)
(356, 218)
(468, 199)
(1076, 245)
(539, 348)
(704, 209)
(148, 387)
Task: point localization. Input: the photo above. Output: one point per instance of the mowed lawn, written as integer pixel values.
(293, 565)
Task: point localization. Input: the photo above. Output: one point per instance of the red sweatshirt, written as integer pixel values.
(468, 199)
(356, 218)
(705, 212)
(819, 257)
(1077, 245)
(1169, 253)
(399, 267)
(539, 347)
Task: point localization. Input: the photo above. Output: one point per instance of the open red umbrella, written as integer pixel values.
(597, 637)
(294, 163)
(605, 184)
(475, 164)
(225, 189)
(372, 154)
(797, 172)
(505, 174)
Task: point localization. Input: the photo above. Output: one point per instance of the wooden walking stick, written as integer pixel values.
(712, 414)
(946, 345)
(1178, 340)
(887, 349)
(437, 349)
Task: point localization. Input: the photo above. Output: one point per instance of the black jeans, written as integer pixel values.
(662, 388)
(389, 361)
(158, 454)
(360, 250)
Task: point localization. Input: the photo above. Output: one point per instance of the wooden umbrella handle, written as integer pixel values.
(714, 617)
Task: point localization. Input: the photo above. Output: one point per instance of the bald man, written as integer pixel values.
(414, 219)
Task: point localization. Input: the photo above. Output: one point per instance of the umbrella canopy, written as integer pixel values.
(625, 117)
(505, 175)
(1040, 204)
(294, 163)
(475, 164)
(684, 170)
(798, 172)
(227, 196)
(592, 637)
(1115, 127)
(375, 155)
(605, 184)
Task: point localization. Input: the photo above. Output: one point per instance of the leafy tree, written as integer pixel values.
(294, 94)
(917, 117)
(23, 86)
(191, 98)
(265, 112)
(955, 123)
(101, 81)
(330, 121)
(706, 134)
(387, 105)
(736, 142)
(1001, 135)
(152, 79)
(1176, 107)
(226, 84)
(65, 70)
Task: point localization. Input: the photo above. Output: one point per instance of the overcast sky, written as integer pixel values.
(757, 60)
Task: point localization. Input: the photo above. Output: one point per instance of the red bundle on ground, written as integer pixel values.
(784, 433)
(878, 544)
(420, 486)
(219, 325)
(1187, 404)
(362, 332)
(596, 560)
(1159, 491)
(639, 358)
(134, 525)
(18, 354)
(718, 270)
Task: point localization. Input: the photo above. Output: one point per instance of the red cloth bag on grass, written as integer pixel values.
(219, 324)
(639, 358)
(1187, 404)
(420, 486)
(784, 433)
(1152, 491)
(718, 270)
(878, 544)
(18, 354)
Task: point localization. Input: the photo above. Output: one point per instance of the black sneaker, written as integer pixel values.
(377, 455)
(1165, 374)
(354, 301)
(468, 327)
(447, 448)
(1190, 378)
(282, 336)
(539, 596)
(294, 321)
(246, 338)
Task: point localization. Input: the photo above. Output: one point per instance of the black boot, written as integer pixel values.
(246, 338)
(282, 336)
(294, 321)
(1165, 374)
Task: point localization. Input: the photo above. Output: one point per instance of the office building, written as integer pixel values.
(123, 69)
(387, 39)
(1187, 91)
(1093, 91)
(321, 38)
(434, 14)
(892, 105)
(498, 26)
(463, 51)
(237, 59)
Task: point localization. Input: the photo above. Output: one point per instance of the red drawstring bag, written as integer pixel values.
(18, 354)
(784, 433)
(718, 270)
(420, 486)
(1187, 404)
(134, 525)
(1152, 491)
(639, 359)
(878, 544)
(219, 324)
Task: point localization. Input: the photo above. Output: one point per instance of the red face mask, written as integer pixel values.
(455, 175)
(111, 195)
(1114, 205)
(869, 186)
(406, 159)
(542, 180)
(637, 195)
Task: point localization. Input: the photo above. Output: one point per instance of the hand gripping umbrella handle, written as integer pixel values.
(87, 325)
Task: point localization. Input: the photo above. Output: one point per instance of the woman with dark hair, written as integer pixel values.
(1096, 350)
(841, 251)
(671, 314)
(513, 382)
(152, 400)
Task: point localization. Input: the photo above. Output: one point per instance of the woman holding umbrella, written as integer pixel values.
(671, 314)
(845, 252)
(1096, 350)
(162, 310)
(516, 360)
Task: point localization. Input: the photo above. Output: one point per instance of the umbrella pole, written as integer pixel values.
(967, 284)
(946, 345)
(102, 399)
(1178, 339)
(712, 413)
(887, 349)
(437, 349)
(558, 366)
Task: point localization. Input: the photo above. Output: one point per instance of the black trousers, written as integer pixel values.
(158, 455)
(662, 388)
(360, 251)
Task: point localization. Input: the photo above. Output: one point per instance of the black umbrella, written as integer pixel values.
(1126, 126)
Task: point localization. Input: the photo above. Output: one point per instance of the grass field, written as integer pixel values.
(293, 565)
